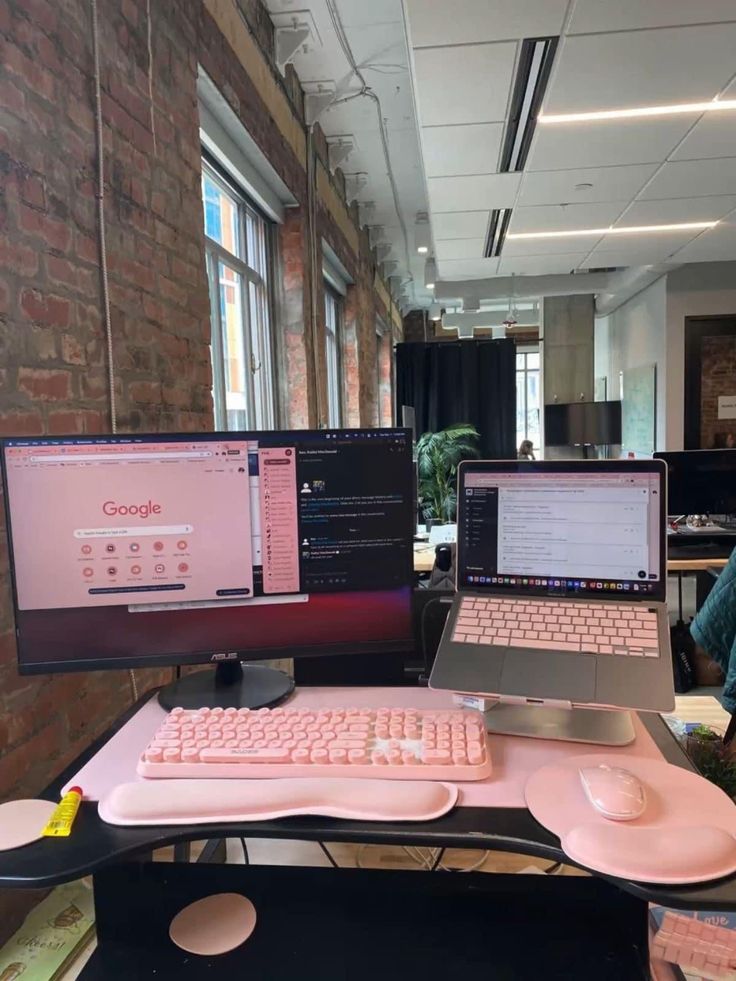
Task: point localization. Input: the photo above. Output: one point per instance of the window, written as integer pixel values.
(333, 322)
(238, 252)
(527, 397)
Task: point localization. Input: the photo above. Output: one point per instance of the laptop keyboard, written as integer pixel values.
(586, 628)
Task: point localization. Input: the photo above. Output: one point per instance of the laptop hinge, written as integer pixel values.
(559, 703)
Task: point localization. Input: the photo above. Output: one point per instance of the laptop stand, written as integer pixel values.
(578, 725)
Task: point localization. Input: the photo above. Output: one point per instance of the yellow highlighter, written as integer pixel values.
(61, 821)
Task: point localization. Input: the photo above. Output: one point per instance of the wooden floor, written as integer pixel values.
(261, 851)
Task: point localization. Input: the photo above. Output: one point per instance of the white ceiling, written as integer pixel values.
(611, 54)
(377, 38)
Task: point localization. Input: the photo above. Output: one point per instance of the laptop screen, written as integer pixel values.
(579, 527)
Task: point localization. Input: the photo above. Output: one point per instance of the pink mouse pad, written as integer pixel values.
(686, 833)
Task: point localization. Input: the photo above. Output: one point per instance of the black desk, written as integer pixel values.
(135, 899)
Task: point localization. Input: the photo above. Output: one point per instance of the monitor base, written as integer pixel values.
(577, 725)
(231, 685)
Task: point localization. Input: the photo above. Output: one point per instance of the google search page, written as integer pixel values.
(157, 522)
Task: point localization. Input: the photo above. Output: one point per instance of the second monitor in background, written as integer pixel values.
(701, 482)
(189, 549)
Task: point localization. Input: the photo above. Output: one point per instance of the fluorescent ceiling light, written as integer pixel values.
(715, 105)
(422, 238)
(430, 273)
(691, 226)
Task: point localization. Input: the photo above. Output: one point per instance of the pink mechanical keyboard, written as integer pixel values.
(390, 743)
(699, 948)
(595, 628)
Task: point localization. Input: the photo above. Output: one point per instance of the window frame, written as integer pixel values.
(333, 355)
(260, 412)
(524, 351)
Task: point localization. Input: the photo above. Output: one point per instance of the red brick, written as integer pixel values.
(29, 72)
(4, 297)
(18, 258)
(53, 311)
(20, 424)
(72, 352)
(61, 423)
(61, 270)
(145, 392)
(45, 385)
(87, 248)
(41, 13)
(12, 98)
(55, 233)
(41, 343)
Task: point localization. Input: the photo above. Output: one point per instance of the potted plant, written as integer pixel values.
(715, 761)
(438, 456)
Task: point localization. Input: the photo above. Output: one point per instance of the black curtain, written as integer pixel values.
(448, 382)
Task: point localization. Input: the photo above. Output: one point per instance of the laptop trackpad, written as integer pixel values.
(569, 677)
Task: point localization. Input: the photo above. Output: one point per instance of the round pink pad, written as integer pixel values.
(22, 821)
(686, 833)
(214, 925)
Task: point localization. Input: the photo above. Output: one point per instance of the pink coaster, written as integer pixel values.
(22, 821)
(686, 833)
(214, 925)
(514, 758)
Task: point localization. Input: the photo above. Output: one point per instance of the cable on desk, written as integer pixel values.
(332, 861)
(246, 856)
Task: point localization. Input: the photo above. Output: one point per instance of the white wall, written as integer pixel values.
(634, 335)
(701, 289)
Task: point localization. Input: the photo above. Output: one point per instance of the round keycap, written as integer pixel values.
(319, 756)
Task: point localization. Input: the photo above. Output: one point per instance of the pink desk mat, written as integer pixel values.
(514, 758)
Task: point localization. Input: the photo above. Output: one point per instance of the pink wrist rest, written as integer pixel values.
(685, 835)
(220, 801)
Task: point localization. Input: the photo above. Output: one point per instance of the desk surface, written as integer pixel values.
(424, 561)
(95, 845)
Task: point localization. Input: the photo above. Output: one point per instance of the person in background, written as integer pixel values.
(724, 441)
(526, 450)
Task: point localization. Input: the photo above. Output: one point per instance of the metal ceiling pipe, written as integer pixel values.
(523, 287)
(489, 318)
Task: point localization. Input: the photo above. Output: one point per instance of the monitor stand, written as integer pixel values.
(230, 685)
(577, 725)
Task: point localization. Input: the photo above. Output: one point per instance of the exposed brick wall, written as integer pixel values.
(52, 347)
(718, 377)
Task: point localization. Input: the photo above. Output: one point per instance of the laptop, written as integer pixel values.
(561, 585)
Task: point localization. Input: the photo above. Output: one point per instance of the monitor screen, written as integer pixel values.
(582, 423)
(700, 481)
(172, 549)
(576, 527)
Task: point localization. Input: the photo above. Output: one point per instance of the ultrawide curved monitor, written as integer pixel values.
(179, 549)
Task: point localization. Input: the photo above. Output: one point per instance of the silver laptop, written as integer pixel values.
(561, 580)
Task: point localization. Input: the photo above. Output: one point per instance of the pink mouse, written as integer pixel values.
(614, 792)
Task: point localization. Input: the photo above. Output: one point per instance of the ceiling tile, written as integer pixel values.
(653, 247)
(558, 217)
(471, 193)
(549, 246)
(673, 210)
(590, 16)
(635, 141)
(539, 265)
(358, 13)
(711, 246)
(471, 86)
(460, 224)
(450, 150)
(437, 22)
(459, 269)
(559, 186)
(691, 178)
(713, 136)
(459, 248)
(639, 68)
